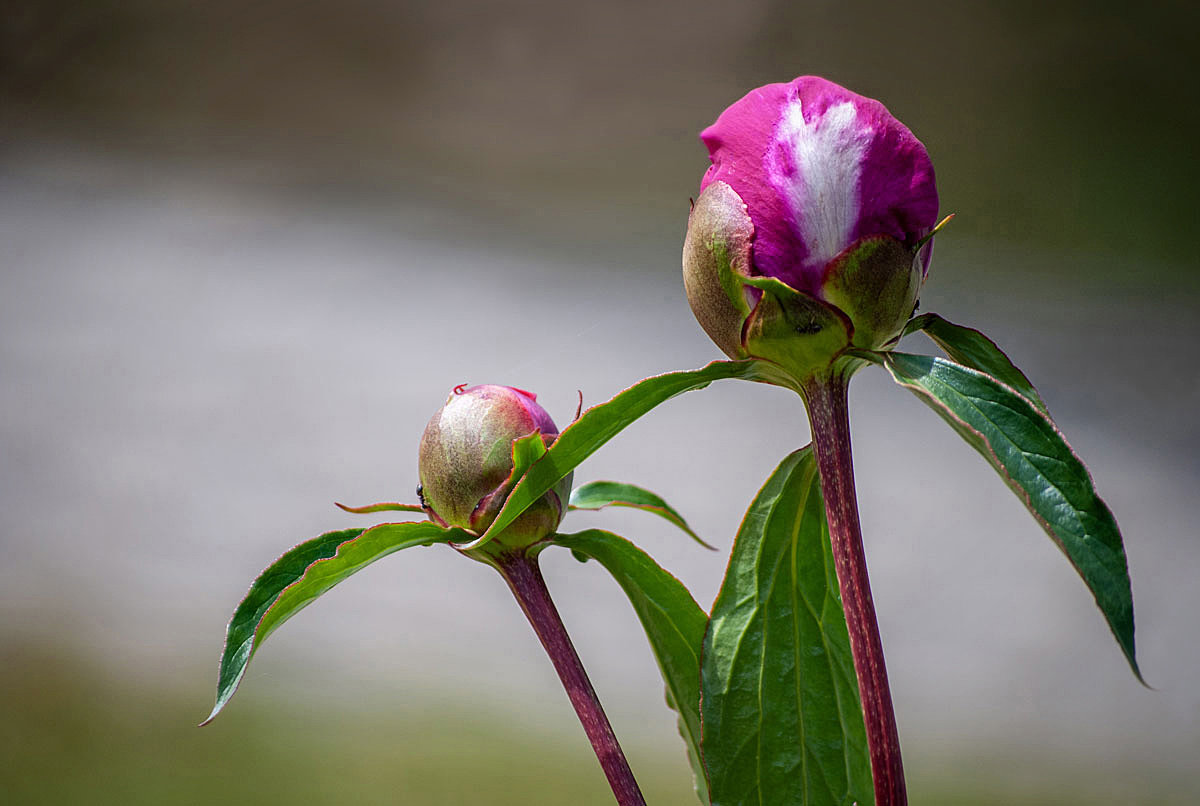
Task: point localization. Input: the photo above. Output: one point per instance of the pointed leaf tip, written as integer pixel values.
(299, 577)
(600, 494)
(936, 229)
(1025, 447)
(386, 506)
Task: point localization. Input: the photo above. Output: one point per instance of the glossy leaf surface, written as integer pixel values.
(783, 725)
(1033, 458)
(601, 494)
(387, 506)
(969, 347)
(602, 422)
(301, 575)
(673, 622)
(525, 451)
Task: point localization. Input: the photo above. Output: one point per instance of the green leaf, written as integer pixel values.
(601, 494)
(971, 348)
(601, 423)
(1033, 458)
(387, 506)
(525, 451)
(783, 724)
(301, 575)
(673, 622)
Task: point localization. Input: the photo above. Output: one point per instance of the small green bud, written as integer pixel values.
(465, 463)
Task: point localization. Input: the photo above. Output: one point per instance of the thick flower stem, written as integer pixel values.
(523, 576)
(828, 415)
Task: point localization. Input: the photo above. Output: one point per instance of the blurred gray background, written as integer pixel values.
(245, 252)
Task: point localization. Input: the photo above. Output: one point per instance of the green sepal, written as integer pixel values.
(1021, 442)
(602, 422)
(783, 724)
(386, 506)
(971, 348)
(301, 575)
(601, 494)
(538, 519)
(525, 451)
(936, 229)
(875, 282)
(673, 622)
(716, 262)
(796, 331)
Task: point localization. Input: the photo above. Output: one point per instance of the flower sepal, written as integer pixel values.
(716, 263)
(801, 334)
(875, 282)
(751, 316)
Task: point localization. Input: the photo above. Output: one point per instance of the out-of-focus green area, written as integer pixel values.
(1069, 125)
(71, 733)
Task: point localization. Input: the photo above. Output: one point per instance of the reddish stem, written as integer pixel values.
(525, 579)
(828, 415)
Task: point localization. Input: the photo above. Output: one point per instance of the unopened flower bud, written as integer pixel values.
(811, 232)
(465, 462)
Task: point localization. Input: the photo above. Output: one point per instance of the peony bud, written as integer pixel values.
(465, 462)
(811, 232)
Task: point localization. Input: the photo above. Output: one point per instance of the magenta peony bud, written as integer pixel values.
(465, 462)
(828, 196)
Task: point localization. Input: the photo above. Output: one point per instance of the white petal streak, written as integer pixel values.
(821, 182)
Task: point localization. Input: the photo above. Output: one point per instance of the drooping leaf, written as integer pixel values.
(300, 576)
(601, 494)
(601, 423)
(969, 347)
(1033, 458)
(673, 622)
(783, 724)
(387, 506)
